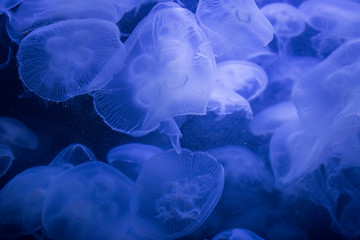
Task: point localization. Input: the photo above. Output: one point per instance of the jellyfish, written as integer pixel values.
(231, 25)
(236, 234)
(130, 158)
(271, 119)
(69, 58)
(286, 21)
(72, 155)
(171, 128)
(6, 158)
(324, 44)
(169, 71)
(335, 18)
(88, 201)
(175, 193)
(21, 200)
(16, 133)
(295, 152)
(30, 15)
(323, 92)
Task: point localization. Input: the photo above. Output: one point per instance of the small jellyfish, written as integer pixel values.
(335, 18)
(72, 155)
(69, 58)
(6, 158)
(21, 200)
(130, 158)
(174, 194)
(231, 25)
(270, 119)
(88, 202)
(287, 23)
(15, 132)
(169, 71)
(236, 234)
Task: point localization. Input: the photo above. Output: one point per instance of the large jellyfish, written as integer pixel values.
(15, 132)
(130, 158)
(88, 201)
(169, 71)
(6, 158)
(336, 18)
(234, 26)
(69, 58)
(21, 200)
(174, 194)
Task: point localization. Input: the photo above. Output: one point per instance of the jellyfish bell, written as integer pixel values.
(165, 74)
(70, 58)
(236, 234)
(174, 194)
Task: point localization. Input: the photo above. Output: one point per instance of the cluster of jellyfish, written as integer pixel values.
(256, 104)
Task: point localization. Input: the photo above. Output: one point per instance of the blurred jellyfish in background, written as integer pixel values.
(237, 234)
(15, 133)
(6, 158)
(130, 158)
(236, 29)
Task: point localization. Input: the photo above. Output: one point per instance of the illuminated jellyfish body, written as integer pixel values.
(270, 119)
(336, 18)
(286, 21)
(236, 234)
(237, 83)
(16, 133)
(88, 201)
(295, 152)
(234, 28)
(69, 58)
(6, 5)
(72, 155)
(6, 158)
(129, 158)
(21, 200)
(33, 14)
(324, 44)
(323, 92)
(174, 194)
(169, 71)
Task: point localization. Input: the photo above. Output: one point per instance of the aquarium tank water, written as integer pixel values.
(180, 119)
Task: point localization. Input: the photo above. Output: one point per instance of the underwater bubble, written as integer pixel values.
(88, 201)
(70, 58)
(174, 194)
(15, 132)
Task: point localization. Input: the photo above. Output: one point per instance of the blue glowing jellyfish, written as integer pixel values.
(169, 71)
(270, 119)
(234, 26)
(6, 158)
(21, 200)
(336, 18)
(88, 201)
(236, 234)
(174, 194)
(69, 58)
(130, 158)
(15, 132)
(72, 155)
